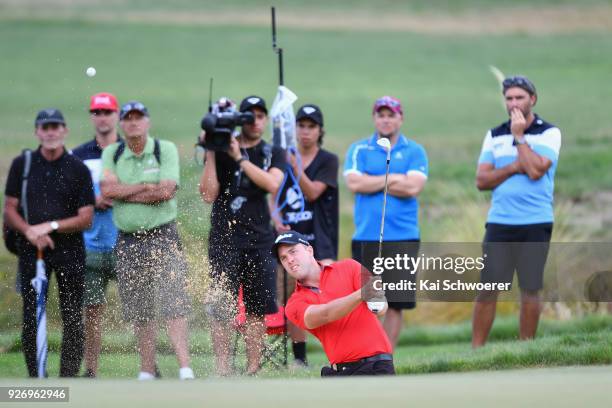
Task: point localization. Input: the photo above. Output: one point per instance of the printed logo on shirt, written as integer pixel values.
(294, 198)
(151, 170)
(295, 217)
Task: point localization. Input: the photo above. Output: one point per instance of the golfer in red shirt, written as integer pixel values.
(329, 303)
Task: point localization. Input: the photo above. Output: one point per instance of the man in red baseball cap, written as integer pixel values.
(328, 302)
(104, 101)
(101, 237)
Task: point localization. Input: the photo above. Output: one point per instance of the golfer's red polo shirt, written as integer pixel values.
(353, 337)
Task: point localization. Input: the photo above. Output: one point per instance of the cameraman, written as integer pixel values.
(236, 182)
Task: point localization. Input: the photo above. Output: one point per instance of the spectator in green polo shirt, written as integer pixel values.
(141, 176)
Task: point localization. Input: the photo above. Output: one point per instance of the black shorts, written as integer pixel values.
(523, 248)
(253, 269)
(360, 252)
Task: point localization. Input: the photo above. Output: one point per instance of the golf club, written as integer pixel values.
(385, 143)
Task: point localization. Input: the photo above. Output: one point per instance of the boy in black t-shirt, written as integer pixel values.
(308, 202)
(236, 182)
(60, 200)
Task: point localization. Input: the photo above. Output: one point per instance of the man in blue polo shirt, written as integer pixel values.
(518, 162)
(101, 237)
(364, 171)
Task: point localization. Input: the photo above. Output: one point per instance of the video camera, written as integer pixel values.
(220, 122)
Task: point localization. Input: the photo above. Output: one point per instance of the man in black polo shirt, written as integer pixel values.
(60, 201)
(236, 182)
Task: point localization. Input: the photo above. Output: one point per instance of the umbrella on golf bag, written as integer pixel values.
(283, 118)
(283, 135)
(40, 283)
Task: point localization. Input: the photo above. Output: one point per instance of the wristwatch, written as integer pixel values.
(520, 140)
(54, 225)
(240, 160)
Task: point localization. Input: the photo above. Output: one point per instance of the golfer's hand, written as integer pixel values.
(202, 136)
(368, 290)
(234, 149)
(518, 123)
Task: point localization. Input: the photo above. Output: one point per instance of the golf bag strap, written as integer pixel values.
(121, 149)
(27, 155)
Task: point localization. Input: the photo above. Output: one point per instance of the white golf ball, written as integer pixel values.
(91, 71)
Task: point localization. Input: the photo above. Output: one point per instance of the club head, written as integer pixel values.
(384, 143)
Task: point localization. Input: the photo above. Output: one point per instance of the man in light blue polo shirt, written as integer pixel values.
(364, 171)
(518, 162)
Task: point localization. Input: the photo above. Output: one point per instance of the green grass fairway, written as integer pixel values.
(433, 349)
(558, 387)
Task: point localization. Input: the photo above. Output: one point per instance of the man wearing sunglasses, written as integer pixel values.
(101, 237)
(518, 163)
(59, 200)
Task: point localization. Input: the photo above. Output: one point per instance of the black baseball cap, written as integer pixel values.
(519, 81)
(132, 106)
(50, 115)
(251, 102)
(289, 238)
(312, 112)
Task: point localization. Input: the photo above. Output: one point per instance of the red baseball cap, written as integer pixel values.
(104, 100)
(388, 102)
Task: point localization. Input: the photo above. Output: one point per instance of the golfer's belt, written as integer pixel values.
(377, 357)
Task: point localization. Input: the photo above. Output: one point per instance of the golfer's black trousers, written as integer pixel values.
(69, 272)
(381, 367)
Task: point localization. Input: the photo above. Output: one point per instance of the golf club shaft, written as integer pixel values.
(382, 221)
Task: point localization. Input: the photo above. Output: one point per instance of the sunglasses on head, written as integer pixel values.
(102, 112)
(520, 82)
(387, 102)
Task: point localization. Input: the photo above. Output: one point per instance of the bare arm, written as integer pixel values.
(278, 224)
(319, 315)
(12, 217)
(38, 234)
(534, 165)
(365, 183)
(488, 177)
(209, 183)
(406, 185)
(112, 189)
(311, 189)
(268, 180)
(79, 222)
(155, 193)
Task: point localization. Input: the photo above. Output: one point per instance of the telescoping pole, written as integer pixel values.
(281, 80)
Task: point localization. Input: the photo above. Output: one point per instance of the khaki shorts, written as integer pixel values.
(151, 272)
